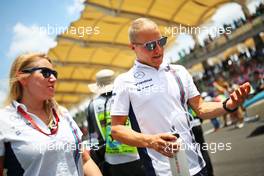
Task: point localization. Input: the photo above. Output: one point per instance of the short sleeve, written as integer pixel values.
(192, 89)
(75, 126)
(2, 138)
(187, 80)
(2, 146)
(120, 98)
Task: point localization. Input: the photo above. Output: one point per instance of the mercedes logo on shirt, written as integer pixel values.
(139, 75)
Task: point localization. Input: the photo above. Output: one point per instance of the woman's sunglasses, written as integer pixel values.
(150, 46)
(46, 72)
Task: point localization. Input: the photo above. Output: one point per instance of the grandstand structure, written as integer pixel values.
(99, 39)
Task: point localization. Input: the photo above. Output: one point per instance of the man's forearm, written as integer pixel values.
(210, 110)
(130, 137)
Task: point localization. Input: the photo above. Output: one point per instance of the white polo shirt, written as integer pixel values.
(151, 98)
(30, 152)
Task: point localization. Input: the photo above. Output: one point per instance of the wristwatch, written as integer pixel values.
(226, 108)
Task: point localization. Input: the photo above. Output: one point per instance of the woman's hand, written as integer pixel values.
(89, 167)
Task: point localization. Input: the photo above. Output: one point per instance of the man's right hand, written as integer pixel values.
(164, 143)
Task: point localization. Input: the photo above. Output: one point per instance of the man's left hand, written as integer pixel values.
(238, 96)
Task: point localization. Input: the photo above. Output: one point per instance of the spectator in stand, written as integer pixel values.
(257, 82)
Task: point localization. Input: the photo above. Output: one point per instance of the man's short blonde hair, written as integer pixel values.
(139, 25)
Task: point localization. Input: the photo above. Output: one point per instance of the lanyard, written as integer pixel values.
(32, 122)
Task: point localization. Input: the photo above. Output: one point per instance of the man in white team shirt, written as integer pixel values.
(150, 95)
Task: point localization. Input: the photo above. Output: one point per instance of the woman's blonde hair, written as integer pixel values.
(16, 90)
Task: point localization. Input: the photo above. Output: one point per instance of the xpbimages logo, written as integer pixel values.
(191, 30)
(66, 146)
(80, 31)
(211, 147)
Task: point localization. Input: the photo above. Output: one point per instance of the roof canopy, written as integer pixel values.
(99, 39)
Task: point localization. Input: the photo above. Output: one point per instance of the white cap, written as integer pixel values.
(204, 94)
(104, 81)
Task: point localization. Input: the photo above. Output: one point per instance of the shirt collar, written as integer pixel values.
(137, 64)
(17, 104)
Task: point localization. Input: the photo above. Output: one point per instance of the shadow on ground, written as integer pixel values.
(258, 131)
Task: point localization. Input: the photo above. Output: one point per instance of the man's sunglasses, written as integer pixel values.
(46, 72)
(150, 46)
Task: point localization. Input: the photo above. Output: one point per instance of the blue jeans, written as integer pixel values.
(215, 123)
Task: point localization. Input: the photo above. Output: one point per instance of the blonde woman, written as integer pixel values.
(37, 137)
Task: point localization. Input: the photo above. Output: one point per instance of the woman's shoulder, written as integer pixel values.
(63, 110)
(64, 113)
(7, 111)
(8, 116)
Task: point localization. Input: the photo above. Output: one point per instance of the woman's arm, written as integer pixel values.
(89, 167)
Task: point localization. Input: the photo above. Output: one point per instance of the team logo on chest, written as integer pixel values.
(139, 75)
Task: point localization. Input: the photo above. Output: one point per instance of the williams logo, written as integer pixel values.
(139, 75)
